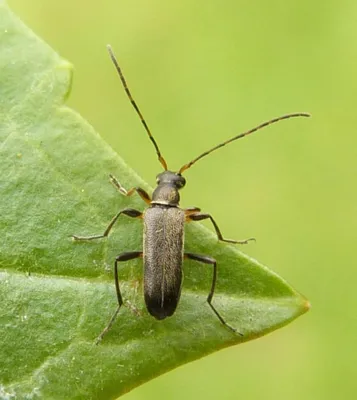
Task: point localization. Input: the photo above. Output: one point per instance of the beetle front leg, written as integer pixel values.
(130, 212)
(128, 255)
(213, 262)
(201, 216)
(123, 191)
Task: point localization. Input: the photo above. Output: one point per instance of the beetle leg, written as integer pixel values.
(128, 255)
(191, 210)
(123, 191)
(201, 216)
(130, 212)
(213, 262)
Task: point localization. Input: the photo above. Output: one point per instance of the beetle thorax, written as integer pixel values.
(166, 194)
(167, 191)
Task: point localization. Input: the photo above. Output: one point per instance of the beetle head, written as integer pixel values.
(171, 178)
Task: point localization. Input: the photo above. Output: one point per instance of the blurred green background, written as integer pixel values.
(202, 72)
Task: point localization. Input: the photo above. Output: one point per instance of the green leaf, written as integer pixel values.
(57, 295)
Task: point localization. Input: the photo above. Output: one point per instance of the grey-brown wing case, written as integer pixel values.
(163, 257)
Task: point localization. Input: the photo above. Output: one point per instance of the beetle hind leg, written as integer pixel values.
(126, 256)
(213, 262)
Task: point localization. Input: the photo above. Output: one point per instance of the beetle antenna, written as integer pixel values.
(263, 125)
(127, 91)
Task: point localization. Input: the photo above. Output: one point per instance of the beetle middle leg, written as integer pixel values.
(126, 256)
(192, 216)
(130, 212)
(213, 262)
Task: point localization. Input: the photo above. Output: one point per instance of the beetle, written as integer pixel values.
(163, 235)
